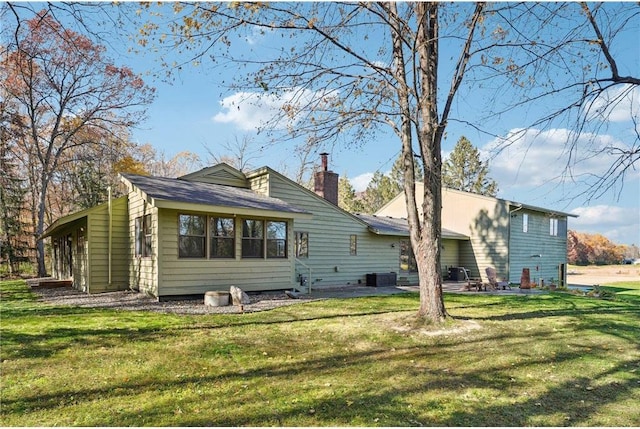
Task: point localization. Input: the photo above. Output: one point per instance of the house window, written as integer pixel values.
(276, 239)
(525, 222)
(353, 245)
(252, 238)
(562, 227)
(143, 236)
(302, 244)
(553, 227)
(192, 236)
(407, 258)
(222, 241)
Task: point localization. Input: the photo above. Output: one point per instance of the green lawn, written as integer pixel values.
(541, 360)
(625, 290)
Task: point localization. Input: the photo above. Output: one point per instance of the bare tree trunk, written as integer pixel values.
(40, 254)
(425, 237)
(427, 247)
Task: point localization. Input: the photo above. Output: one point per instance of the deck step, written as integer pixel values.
(48, 283)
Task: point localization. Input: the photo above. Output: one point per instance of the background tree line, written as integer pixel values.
(596, 249)
(66, 111)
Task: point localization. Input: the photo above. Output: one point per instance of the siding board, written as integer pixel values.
(329, 240)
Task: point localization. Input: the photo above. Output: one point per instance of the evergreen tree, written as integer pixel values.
(380, 191)
(465, 171)
(347, 199)
(384, 187)
(397, 171)
(12, 193)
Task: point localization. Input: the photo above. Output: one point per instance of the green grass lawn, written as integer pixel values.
(541, 360)
(625, 290)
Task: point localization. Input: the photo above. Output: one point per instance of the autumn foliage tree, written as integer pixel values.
(67, 90)
(592, 249)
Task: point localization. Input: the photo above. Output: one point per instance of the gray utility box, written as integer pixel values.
(382, 279)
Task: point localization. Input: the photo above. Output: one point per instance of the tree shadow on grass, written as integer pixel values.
(46, 344)
(489, 393)
(485, 392)
(571, 403)
(588, 316)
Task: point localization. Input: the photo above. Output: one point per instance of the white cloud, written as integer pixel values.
(604, 215)
(246, 110)
(619, 224)
(253, 110)
(361, 182)
(618, 104)
(532, 158)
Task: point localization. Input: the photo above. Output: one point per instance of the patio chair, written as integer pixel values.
(473, 283)
(493, 281)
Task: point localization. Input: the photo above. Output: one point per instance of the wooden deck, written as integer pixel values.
(48, 282)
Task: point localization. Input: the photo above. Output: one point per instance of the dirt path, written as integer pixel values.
(589, 276)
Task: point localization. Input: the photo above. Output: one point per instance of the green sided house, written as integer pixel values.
(506, 235)
(218, 227)
(91, 247)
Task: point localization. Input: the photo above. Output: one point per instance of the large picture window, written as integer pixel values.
(222, 242)
(252, 238)
(276, 239)
(192, 236)
(143, 236)
(202, 236)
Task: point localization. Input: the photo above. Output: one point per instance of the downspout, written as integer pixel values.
(509, 244)
(110, 235)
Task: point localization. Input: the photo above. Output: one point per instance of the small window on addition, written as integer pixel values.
(143, 236)
(302, 244)
(353, 249)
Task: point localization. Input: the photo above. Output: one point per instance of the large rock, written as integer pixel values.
(238, 296)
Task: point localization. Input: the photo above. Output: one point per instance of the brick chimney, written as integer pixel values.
(326, 182)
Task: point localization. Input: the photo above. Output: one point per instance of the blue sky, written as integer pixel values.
(195, 113)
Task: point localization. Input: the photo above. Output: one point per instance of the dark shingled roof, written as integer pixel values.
(162, 188)
(385, 225)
